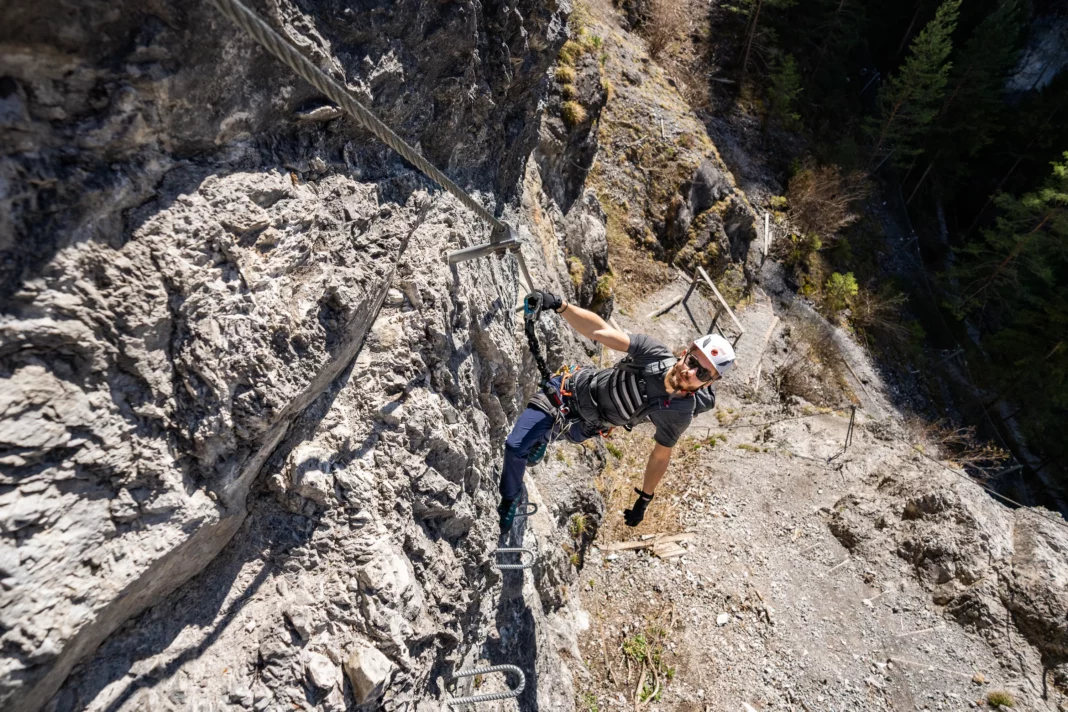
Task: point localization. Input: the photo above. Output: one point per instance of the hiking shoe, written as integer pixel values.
(536, 453)
(506, 510)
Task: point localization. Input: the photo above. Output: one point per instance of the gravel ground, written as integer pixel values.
(767, 609)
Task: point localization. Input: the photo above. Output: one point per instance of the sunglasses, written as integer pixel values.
(703, 374)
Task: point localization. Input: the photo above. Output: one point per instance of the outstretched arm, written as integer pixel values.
(654, 472)
(655, 468)
(595, 328)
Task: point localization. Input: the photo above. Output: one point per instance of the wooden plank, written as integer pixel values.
(658, 539)
(657, 312)
(712, 286)
(685, 536)
(668, 551)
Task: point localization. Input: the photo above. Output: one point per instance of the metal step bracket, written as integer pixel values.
(503, 239)
(526, 509)
(492, 696)
(514, 550)
(500, 241)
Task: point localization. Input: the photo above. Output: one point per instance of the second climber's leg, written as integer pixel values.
(531, 429)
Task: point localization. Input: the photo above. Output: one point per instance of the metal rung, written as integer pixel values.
(493, 696)
(515, 550)
(500, 241)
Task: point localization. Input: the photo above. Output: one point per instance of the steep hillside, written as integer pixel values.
(195, 250)
(251, 420)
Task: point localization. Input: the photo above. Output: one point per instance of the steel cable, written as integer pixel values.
(291, 57)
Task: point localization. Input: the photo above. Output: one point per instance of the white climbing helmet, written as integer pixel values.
(718, 350)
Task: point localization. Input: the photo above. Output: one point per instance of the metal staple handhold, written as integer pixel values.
(493, 696)
(526, 509)
(515, 550)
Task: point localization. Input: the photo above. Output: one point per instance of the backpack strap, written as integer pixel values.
(648, 369)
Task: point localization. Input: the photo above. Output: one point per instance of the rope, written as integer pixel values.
(965, 476)
(774, 422)
(290, 56)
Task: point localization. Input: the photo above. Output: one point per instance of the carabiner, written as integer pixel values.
(533, 303)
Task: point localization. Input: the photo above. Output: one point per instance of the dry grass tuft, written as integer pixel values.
(1000, 698)
(565, 74)
(959, 445)
(570, 52)
(573, 112)
(620, 476)
(813, 369)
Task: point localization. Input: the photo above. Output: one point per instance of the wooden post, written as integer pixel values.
(715, 318)
(723, 302)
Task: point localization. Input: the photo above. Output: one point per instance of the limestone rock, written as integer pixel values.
(322, 671)
(309, 474)
(369, 671)
(1035, 589)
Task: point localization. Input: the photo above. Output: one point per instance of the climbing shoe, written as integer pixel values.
(506, 510)
(536, 453)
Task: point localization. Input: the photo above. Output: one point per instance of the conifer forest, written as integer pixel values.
(951, 118)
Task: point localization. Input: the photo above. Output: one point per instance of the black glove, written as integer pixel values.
(634, 516)
(548, 301)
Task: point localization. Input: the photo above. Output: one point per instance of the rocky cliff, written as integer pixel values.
(196, 248)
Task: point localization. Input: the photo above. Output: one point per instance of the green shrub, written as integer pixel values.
(839, 291)
(576, 269)
(605, 288)
(783, 93)
(614, 450)
(1000, 698)
(578, 525)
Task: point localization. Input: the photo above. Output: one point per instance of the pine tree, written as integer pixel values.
(1018, 262)
(911, 100)
(974, 106)
(1016, 276)
(756, 36)
(783, 93)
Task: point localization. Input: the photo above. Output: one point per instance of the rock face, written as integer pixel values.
(100, 106)
(195, 251)
(985, 564)
(147, 385)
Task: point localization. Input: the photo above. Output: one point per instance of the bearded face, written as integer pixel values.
(683, 376)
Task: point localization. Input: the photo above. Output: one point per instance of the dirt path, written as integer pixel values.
(767, 609)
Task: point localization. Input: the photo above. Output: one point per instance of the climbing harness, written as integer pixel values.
(514, 692)
(503, 237)
(562, 415)
(515, 550)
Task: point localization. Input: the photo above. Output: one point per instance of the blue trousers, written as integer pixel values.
(531, 429)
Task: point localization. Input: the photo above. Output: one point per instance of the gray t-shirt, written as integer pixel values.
(620, 394)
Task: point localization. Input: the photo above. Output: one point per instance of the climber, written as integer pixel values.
(649, 383)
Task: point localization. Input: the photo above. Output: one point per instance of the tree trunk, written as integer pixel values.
(749, 40)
